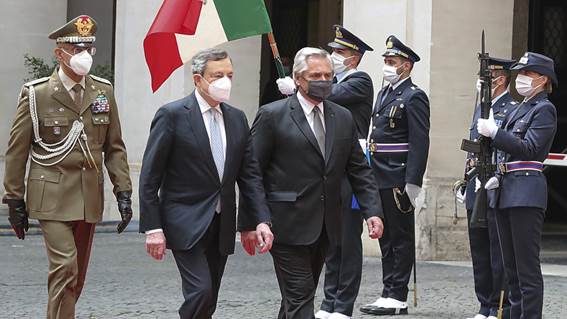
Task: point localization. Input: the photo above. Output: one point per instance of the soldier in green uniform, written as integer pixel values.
(64, 124)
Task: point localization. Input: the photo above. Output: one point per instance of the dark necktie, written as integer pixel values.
(388, 91)
(319, 129)
(77, 96)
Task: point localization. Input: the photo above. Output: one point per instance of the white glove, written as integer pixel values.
(492, 183)
(461, 196)
(286, 85)
(487, 127)
(412, 191)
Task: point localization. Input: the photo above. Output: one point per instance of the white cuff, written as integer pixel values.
(153, 231)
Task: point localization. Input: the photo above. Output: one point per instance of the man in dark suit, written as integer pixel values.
(521, 191)
(399, 145)
(306, 145)
(353, 90)
(488, 268)
(198, 148)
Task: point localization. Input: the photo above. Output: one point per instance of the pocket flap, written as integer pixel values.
(55, 121)
(48, 176)
(395, 112)
(101, 119)
(521, 127)
(282, 196)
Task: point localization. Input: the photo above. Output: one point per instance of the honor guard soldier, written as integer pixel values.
(65, 123)
(520, 187)
(353, 90)
(488, 268)
(398, 144)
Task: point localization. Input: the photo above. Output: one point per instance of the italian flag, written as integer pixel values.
(184, 27)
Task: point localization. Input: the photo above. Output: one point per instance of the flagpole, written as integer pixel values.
(276, 54)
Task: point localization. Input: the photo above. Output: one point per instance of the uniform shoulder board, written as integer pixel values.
(99, 79)
(34, 82)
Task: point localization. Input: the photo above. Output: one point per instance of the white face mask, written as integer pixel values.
(524, 85)
(493, 88)
(219, 90)
(80, 63)
(339, 62)
(390, 74)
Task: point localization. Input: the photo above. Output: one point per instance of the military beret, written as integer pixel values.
(537, 63)
(345, 39)
(395, 47)
(79, 31)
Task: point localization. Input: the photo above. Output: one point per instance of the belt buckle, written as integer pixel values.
(372, 147)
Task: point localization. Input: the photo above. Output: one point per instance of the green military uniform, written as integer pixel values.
(67, 138)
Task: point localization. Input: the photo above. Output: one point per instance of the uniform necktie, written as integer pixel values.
(77, 96)
(388, 91)
(318, 129)
(335, 80)
(216, 141)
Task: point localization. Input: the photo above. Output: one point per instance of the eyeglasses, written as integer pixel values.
(76, 50)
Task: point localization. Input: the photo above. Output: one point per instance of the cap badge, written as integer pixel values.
(389, 44)
(338, 33)
(524, 60)
(84, 26)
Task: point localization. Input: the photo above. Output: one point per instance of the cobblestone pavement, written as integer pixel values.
(125, 283)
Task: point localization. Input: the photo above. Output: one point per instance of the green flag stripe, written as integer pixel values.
(243, 18)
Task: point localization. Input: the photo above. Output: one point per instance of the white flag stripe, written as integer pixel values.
(209, 33)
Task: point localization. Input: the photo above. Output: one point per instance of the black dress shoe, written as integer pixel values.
(379, 311)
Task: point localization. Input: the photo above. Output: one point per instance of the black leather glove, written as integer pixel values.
(125, 209)
(18, 216)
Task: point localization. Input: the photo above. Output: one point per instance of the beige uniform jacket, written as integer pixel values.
(72, 189)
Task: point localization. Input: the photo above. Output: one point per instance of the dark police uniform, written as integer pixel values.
(521, 199)
(399, 146)
(488, 268)
(353, 90)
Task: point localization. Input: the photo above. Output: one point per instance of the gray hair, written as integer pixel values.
(300, 61)
(199, 60)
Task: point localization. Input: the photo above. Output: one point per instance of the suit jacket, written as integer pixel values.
(355, 92)
(402, 118)
(527, 136)
(303, 186)
(501, 109)
(71, 189)
(179, 182)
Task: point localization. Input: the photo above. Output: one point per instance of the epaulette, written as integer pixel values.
(34, 82)
(99, 79)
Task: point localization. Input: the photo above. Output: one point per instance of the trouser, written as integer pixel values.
(343, 264)
(201, 269)
(297, 269)
(488, 267)
(519, 230)
(68, 247)
(398, 248)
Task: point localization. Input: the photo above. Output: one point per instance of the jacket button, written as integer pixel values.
(56, 122)
(42, 177)
(84, 168)
(80, 118)
(322, 198)
(374, 127)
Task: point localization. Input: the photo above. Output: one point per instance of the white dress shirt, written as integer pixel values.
(205, 107)
(308, 110)
(68, 83)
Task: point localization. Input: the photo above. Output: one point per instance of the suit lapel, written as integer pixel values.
(231, 134)
(60, 94)
(520, 112)
(329, 131)
(197, 126)
(395, 93)
(300, 120)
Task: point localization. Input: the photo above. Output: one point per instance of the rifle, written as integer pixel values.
(484, 166)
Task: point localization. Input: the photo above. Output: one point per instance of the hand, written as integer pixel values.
(18, 216)
(412, 191)
(492, 183)
(155, 245)
(286, 85)
(265, 238)
(125, 209)
(487, 127)
(375, 227)
(248, 240)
